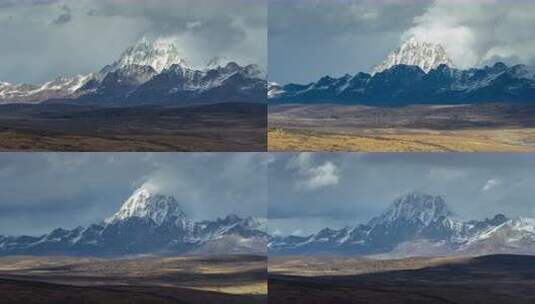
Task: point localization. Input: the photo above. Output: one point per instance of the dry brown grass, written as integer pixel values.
(343, 266)
(392, 140)
(258, 288)
(232, 275)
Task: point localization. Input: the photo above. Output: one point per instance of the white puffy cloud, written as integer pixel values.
(491, 183)
(322, 176)
(478, 32)
(311, 176)
(310, 39)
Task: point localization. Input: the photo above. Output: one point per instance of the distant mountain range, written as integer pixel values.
(416, 225)
(150, 72)
(416, 73)
(147, 223)
(150, 223)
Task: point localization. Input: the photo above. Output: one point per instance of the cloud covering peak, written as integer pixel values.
(204, 29)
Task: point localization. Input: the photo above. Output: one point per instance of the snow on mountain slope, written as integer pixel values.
(414, 207)
(58, 88)
(514, 236)
(274, 89)
(123, 81)
(147, 223)
(159, 54)
(145, 203)
(425, 55)
(417, 224)
(407, 85)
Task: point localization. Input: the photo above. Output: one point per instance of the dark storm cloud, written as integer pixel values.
(309, 39)
(42, 191)
(10, 3)
(234, 29)
(475, 186)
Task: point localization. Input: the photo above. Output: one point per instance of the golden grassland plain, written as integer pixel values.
(192, 279)
(311, 266)
(419, 128)
(388, 140)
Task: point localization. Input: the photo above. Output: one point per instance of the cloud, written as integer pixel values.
(309, 39)
(64, 18)
(322, 176)
(202, 29)
(473, 33)
(311, 177)
(11, 3)
(475, 186)
(491, 183)
(193, 25)
(71, 189)
(237, 29)
(298, 232)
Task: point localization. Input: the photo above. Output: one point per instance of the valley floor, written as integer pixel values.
(57, 127)
(462, 128)
(488, 279)
(225, 279)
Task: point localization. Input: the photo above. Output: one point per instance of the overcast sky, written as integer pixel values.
(43, 191)
(308, 192)
(309, 39)
(42, 39)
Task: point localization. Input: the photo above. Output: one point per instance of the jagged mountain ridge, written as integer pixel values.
(61, 87)
(415, 73)
(405, 85)
(416, 225)
(158, 54)
(128, 81)
(147, 223)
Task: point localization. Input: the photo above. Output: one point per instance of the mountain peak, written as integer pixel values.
(146, 203)
(160, 54)
(425, 55)
(415, 207)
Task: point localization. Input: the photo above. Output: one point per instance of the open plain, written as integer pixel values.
(224, 279)
(418, 128)
(452, 280)
(63, 127)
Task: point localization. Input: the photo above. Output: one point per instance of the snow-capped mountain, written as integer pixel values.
(274, 89)
(61, 87)
(147, 223)
(406, 84)
(129, 81)
(229, 83)
(414, 207)
(159, 208)
(425, 55)
(513, 236)
(416, 225)
(416, 73)
(160, 54)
